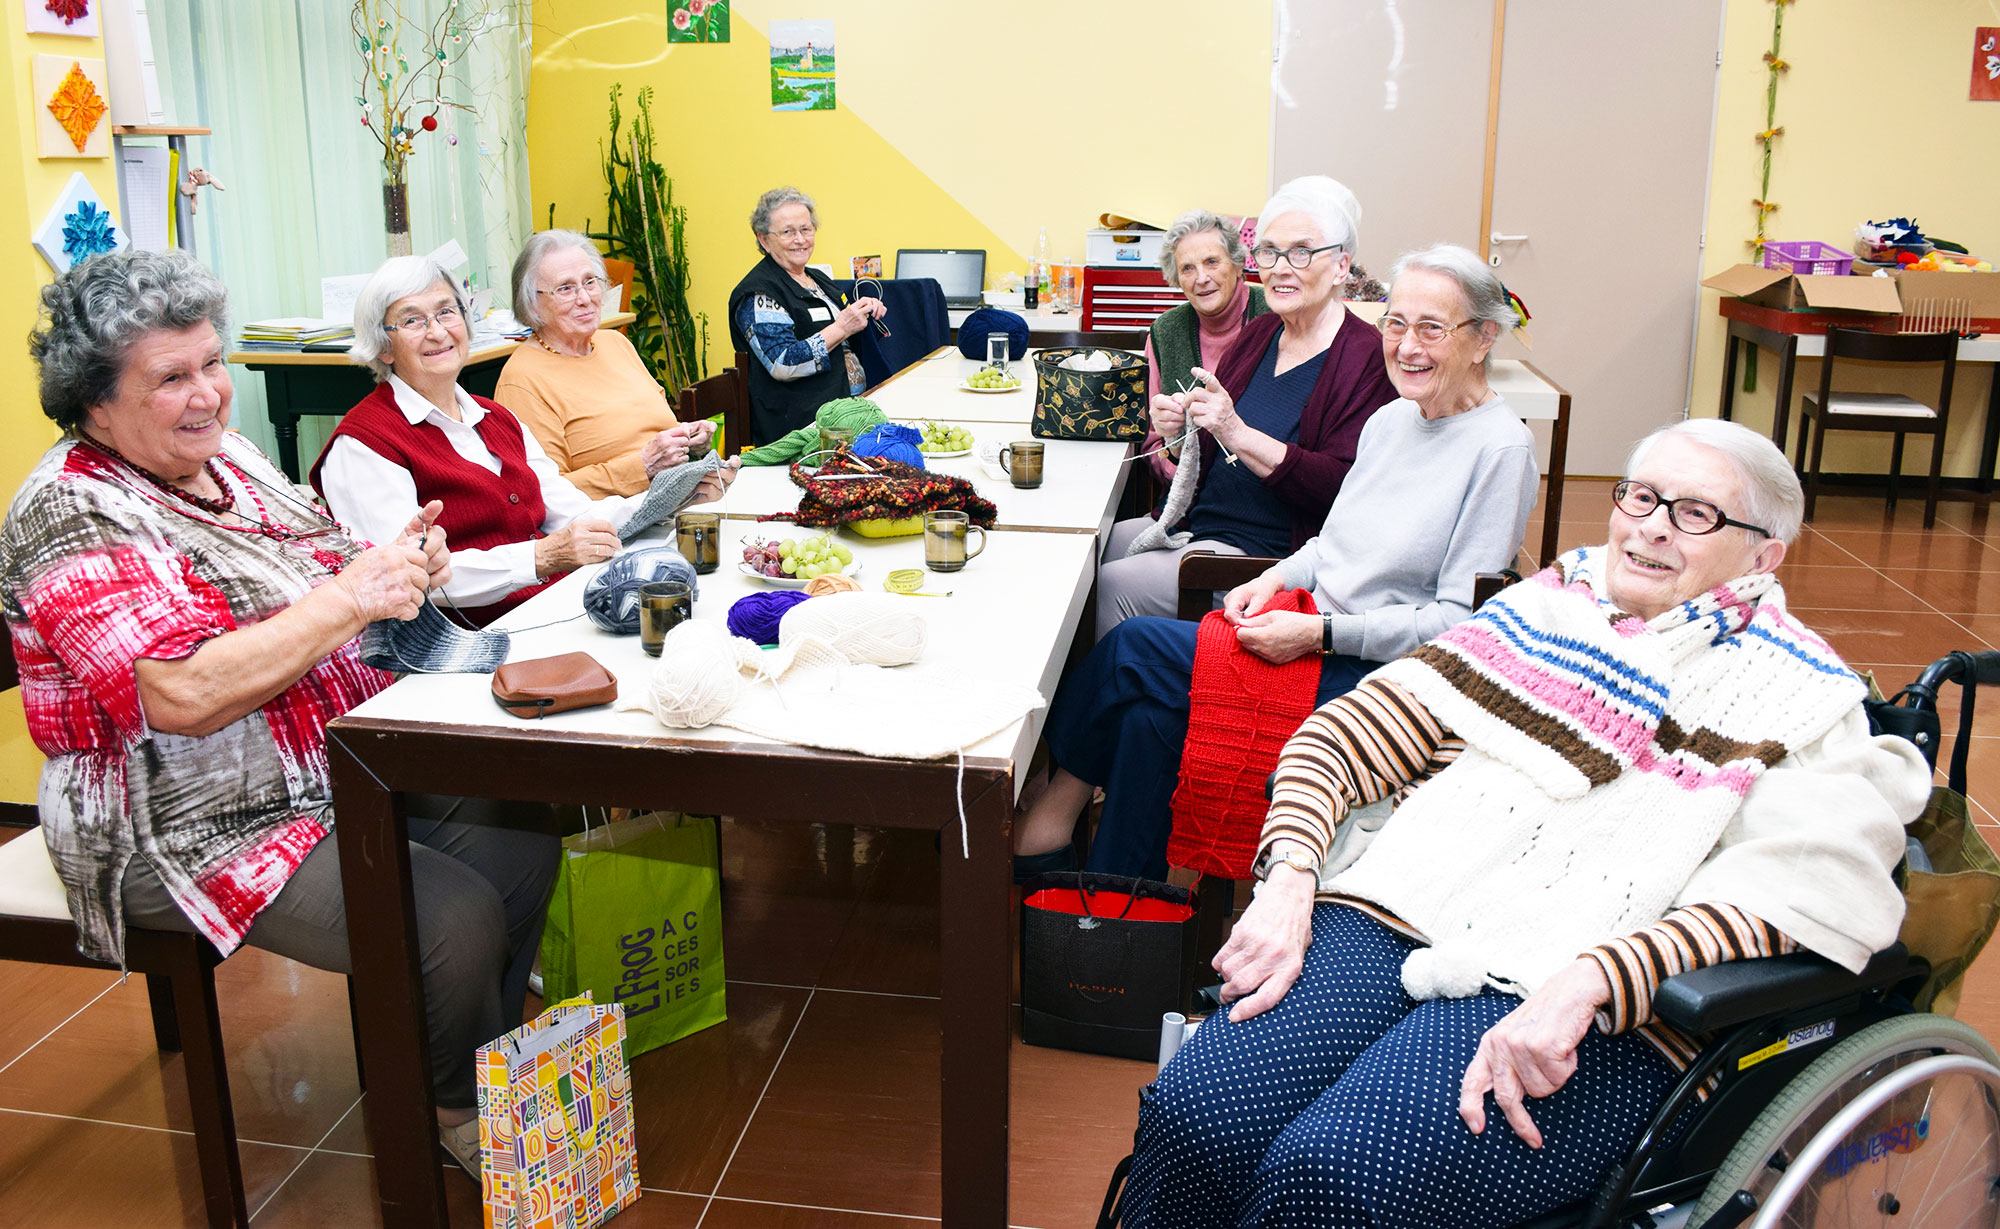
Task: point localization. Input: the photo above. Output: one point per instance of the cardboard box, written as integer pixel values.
(1782, 289)
(1979, 292)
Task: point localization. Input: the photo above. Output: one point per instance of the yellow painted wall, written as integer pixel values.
(26, 193)
(951, 129)
(1877, 124)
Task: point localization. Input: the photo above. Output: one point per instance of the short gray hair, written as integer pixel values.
(100, 307)
(528, 304)
(1323, 199)
(1772, 497)
(399, 277)
(1486, 300)
(1194, 222)
(774, 200)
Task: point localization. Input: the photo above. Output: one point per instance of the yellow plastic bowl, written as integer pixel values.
(884, 527)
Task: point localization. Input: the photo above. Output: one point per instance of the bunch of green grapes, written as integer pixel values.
(806, 558)
(993, 377)
(944, 437)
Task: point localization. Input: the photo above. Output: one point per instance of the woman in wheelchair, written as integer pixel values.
(1443, 480)
(1634, 764)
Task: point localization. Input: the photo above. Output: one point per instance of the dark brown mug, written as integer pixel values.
(698, 535)
(663, 606)
(1023, 460)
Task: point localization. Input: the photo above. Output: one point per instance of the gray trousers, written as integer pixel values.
(480, 894)
(1147, 583)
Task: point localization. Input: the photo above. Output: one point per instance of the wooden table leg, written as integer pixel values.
(1989, 444)
(1728, 405)
(284, 419)
(1788, 361)
(977, 950)
(389, 994)
(1558, 462)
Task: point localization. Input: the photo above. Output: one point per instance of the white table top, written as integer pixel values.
(1012, 613)
(1082, 481)
(931, 389)
(1982, 349)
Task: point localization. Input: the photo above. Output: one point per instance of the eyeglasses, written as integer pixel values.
(1430, 332)
(794, 232)
(567, 292)
(416, 322)
(1298, 257)
(1690, 516)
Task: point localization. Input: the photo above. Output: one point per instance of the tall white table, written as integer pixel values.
(1013, 613)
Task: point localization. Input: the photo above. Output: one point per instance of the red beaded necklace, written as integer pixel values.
(261, 524)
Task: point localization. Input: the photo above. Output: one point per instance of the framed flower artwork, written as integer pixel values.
(697, 21)
(78, 17)
(71, 112)
(79, 225)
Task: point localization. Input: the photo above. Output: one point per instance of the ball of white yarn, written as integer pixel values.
(698, 677)
(870, 629)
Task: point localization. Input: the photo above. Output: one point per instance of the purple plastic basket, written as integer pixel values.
(1808, 256)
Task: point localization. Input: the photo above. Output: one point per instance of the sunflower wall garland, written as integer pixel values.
(1774, 67)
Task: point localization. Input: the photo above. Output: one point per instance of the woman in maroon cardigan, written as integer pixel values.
(1287, 403)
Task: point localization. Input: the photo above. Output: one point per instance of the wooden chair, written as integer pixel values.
(736, 409)
(35, 927)
(1202, 574)
(1891, 412)
(620, 273)
(718, 394)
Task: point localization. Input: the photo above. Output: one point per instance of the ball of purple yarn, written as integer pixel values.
(756, 617)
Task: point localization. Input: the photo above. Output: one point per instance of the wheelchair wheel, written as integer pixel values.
(1877, 1131)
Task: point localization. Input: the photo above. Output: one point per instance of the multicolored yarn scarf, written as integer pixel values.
(848, 488)
(1241, 709)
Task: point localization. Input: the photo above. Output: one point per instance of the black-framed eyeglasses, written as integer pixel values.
(1691, 516)
(1297, 257)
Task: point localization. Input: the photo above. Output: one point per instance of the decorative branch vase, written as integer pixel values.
(396, 217)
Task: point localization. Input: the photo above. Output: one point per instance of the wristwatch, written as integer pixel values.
(1297, 859)
(1326, 634)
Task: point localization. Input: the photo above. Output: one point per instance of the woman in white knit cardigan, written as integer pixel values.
(1633, 764)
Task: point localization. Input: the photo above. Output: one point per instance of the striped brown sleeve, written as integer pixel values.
(1690, 938)
(1354, 750)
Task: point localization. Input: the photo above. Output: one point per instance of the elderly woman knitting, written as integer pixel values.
(1633, 764)
(1278, 417)
(1442, 484)
(519, 526)
(186, 626)
(793, 322)
(582, 389)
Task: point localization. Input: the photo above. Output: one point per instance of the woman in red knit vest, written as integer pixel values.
(516, 525)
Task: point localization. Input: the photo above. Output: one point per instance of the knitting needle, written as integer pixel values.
(1226, 454)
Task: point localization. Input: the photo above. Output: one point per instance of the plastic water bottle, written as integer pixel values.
(1042, 258)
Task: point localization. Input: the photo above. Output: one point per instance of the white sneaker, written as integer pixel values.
(462, 1142)
(535, 984)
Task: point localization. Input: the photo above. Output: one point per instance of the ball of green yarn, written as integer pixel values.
(850, 414)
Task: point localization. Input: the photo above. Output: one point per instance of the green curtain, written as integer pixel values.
(277, 82)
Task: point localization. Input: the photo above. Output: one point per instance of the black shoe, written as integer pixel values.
(1054, 862)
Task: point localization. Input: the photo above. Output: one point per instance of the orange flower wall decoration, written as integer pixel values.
(77, 106)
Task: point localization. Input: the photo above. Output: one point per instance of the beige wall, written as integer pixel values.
(1876, 124)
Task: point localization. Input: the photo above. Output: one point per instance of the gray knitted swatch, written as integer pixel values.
(672, 487)
(1180, 497)
(431, 644)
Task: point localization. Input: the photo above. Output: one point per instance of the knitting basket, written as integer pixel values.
(1103, 957)
(1090, 405)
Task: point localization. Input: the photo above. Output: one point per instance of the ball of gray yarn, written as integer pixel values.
(611, 599)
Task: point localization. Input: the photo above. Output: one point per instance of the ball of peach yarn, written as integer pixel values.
(832, 582)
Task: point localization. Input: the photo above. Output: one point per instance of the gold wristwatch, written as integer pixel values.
(1297, 859)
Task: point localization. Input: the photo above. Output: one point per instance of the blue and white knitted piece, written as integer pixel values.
(672, 488)
(431, 644)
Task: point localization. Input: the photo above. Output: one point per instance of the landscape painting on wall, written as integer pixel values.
(802, 65)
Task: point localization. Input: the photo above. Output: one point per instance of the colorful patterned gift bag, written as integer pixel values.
(555, 1121)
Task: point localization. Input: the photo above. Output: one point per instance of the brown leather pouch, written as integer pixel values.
(553, 685)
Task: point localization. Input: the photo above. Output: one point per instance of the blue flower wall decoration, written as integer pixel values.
(88, 232)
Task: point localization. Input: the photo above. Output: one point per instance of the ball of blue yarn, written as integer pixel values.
(987, 320)
(756, 617)
(611, 599)
(892, 441)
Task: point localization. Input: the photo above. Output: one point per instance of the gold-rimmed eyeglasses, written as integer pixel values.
(1430, 332)
(567, 292)
(418, 322)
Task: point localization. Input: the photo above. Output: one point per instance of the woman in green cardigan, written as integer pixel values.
(1204, 255)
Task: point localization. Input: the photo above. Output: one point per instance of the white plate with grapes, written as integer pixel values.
(941, 440)
(795, 563)
(990, 380)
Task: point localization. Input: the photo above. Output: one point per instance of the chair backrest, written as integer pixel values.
(620, 273)
(736, 409)
(705, 399)
(1864, 346)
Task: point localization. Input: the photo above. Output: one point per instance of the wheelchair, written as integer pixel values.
(1831, 1100)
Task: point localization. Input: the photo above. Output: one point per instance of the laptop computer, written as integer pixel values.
(962, 272)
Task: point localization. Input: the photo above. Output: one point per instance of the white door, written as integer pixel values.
(1606, 116)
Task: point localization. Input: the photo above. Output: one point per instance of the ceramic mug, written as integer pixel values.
(944, 540)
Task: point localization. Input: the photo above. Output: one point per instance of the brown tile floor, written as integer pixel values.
(815, 1105)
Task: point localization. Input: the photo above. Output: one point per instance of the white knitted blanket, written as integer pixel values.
(1604, 757)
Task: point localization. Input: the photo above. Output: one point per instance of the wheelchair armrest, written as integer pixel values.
(1723, 995)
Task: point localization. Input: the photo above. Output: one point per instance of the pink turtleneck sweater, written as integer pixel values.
(1215, 334)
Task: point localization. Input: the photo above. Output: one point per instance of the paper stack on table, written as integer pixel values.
(295, 333)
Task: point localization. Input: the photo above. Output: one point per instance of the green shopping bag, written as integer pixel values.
(636, 919)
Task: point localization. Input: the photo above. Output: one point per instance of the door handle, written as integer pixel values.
(1497, 237)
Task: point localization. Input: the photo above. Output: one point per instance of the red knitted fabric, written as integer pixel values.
(1241, 709)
